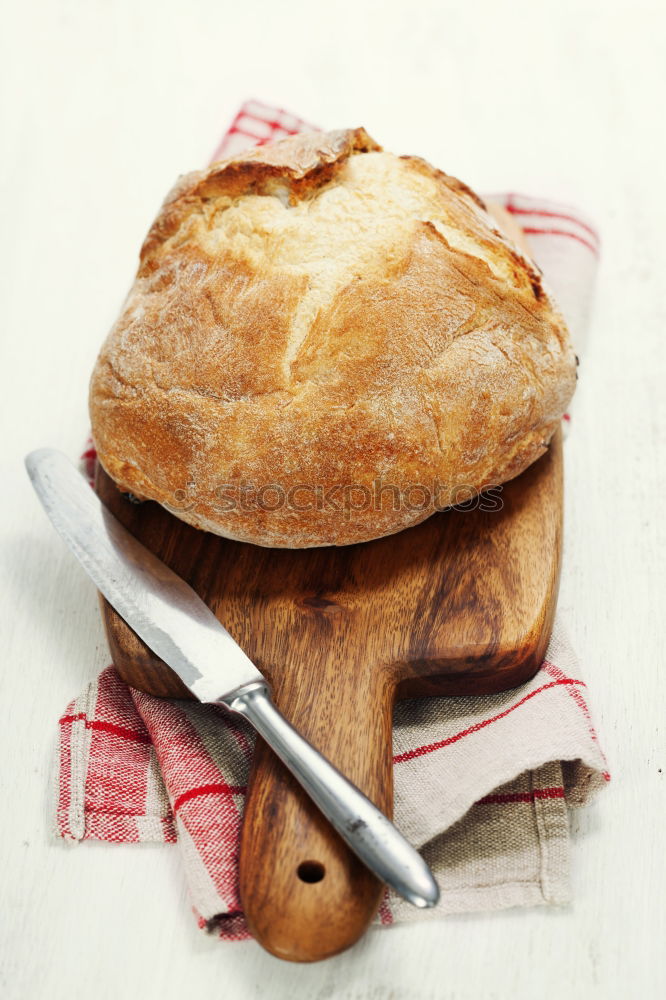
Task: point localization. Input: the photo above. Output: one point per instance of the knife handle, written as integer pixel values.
(366, 830)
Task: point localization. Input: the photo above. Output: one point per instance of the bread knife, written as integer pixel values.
(175, 623)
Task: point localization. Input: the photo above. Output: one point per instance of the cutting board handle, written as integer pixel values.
(304, 893)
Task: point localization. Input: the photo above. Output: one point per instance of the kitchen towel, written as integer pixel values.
(482, 785)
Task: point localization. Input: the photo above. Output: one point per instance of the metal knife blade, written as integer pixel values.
(161, 608)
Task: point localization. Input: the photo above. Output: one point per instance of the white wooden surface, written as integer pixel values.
(103, 105)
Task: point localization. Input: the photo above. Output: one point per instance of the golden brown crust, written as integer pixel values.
(324, 344)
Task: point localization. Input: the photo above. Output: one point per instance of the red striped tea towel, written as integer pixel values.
(482, 785)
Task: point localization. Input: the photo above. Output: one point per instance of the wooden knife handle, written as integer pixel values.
(305, 895)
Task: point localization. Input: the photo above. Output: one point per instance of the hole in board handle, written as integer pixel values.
(310, 871)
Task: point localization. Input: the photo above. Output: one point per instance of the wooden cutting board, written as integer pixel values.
(461, 604)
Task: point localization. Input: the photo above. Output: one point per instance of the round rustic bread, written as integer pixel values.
(324, 344)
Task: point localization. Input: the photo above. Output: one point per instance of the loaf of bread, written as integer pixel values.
(324, 344)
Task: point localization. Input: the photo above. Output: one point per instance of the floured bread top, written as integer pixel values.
(313, 320)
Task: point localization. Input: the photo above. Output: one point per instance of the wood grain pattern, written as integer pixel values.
(462, 603)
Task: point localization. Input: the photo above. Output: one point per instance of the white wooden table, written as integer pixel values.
(104, 105)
